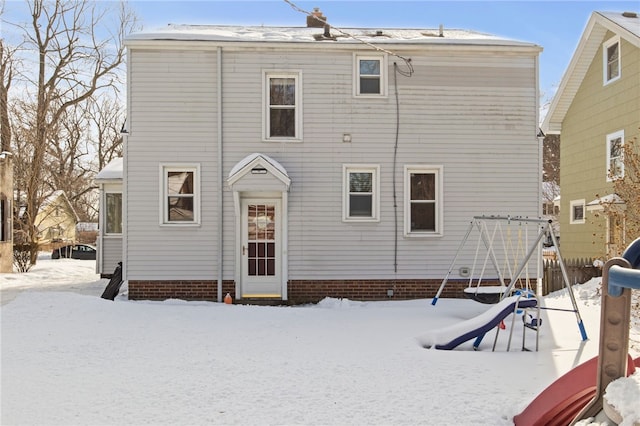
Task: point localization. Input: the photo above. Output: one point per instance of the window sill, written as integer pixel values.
(423, 235)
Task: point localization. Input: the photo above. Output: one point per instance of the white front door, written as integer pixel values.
(261, 250)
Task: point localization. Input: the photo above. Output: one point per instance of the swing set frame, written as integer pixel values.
(545, 227)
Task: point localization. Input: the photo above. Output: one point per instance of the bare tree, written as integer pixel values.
(77, 57)
(551, 159)
(106, 117)
(6, 77)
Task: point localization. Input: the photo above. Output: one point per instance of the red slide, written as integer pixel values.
(558, 404)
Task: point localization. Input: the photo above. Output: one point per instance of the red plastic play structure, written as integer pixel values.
(579, 393)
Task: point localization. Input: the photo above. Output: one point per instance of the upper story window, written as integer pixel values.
(283, 110)
(370, 75)
(361, 193)
(615, 156)
(113, 217)
(577, 212)
(423, 200)
(180, 194)
(611, 60)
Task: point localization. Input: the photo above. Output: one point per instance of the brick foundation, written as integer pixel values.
(301, 291)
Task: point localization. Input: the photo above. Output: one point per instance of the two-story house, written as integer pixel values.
(300, 163)
(597, 111)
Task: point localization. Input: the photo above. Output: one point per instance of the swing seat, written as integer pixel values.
(488, 295)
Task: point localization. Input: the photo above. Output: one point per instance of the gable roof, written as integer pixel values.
(624, 25)
(54, 198)
(257, 161)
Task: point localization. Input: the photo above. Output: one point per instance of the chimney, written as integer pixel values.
(316, 19)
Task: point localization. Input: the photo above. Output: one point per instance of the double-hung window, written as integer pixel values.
(180, 202)
(361, 193)
(577, 212)
(423, 201)
(283, 107)
(370, 76)
(113, 217)
(611, 60)
(615, 156)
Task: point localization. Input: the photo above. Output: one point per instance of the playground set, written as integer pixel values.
(579, 394)
(505, 247)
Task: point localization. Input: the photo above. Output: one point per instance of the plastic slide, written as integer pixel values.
(456, 334)
(561, 402)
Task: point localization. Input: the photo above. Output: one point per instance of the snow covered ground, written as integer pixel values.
(72, 358)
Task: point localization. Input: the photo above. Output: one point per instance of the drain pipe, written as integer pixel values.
(220, 174)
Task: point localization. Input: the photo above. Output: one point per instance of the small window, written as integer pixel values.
(423, 205)
(611, 60)
(180, 203)
(113, 217)
(370, 76)
(577, 212)
(282, 106)
(615, 156)
(361, 187)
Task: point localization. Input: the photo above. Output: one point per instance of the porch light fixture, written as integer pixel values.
(258, 170)
(346, 137)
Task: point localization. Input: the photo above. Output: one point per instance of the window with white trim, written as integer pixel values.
(361, 193)
(423, 201)
(370, 75)
(113, 216)
(615, 155)
(576, 211)
(180, 202)
(611, 60)
(283, 106)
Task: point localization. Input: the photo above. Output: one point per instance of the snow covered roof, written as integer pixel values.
(344, 36)
(111, 171)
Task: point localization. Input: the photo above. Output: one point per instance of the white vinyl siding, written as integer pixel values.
(577, 211)
(282, 106)
(361, 188)
(180, 202)
(615, 156)
(611, 60)
(370, 75)
(423, 201)
(480, 104)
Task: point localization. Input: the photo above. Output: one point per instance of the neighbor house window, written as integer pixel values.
(423, 200)
(370, 76)
(180, 194)
(577, 212)
(283, 108)
(611, 59)
(113, 217)
(361, 192)
(4, 234)
(615, 156)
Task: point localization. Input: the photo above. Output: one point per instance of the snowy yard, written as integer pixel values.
(72, 358)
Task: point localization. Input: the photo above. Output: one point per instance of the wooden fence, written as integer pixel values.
(578, 271)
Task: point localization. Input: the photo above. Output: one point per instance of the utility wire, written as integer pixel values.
(407, 61)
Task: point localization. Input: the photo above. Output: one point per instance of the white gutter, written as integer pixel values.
(220, 174)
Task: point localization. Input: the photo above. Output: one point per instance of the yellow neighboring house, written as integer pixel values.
(56, 220)
(597, 111)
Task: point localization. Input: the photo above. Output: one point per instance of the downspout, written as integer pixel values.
(540, 138)
(220, 174)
